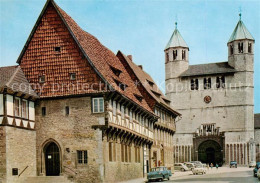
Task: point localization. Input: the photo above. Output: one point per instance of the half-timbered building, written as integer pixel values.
(92, 123)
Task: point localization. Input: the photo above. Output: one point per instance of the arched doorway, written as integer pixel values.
(209, 151)
(52, 159)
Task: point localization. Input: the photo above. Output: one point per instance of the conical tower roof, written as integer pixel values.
(240, 32)
(176, 40)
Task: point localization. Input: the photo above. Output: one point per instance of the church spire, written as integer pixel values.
(240, 32)
(176, 40)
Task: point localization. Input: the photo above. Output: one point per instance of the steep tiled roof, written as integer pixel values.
(257, 120)
(240, 32)
(101, 59)
(149, 84)
(13, 78)
(208, 69)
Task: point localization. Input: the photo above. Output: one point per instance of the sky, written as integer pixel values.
(142, 28)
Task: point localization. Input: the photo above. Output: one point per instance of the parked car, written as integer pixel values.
(196, 163)
(181, 167)
(199, 169)
(159, 173)
(191, 166)
(233, 164)
(258, 174)
(252, 164)
(257, 167)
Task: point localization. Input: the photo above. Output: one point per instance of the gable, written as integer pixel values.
(53, 53)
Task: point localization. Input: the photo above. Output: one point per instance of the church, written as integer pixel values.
(216, 101)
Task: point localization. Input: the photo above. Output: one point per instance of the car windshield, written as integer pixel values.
(157, 169)
(233, 162)
(199, 166)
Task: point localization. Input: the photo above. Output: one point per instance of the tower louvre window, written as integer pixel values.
(167, 57)
(207, 83)
(57, 49)
(231, 49)
(175, 53)
(249, 47)
(194, 84)
(183, 55)
(220, 82)
(240, 47)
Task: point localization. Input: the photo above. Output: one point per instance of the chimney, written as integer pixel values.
(140, 66)
(130, 57)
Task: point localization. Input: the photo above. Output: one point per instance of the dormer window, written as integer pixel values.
(138, 97)
(116, 71)
(150, 83)
(249, 47)
(240, 47)
(231, 50)
(183, 55)
(121, 85)
(72, 76)
(42, 79)
(57, 49)
(175, 53)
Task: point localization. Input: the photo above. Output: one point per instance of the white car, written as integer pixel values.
(252, 164)
(199, 169)
(258, 174)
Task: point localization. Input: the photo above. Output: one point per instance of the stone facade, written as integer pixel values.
(222, 114)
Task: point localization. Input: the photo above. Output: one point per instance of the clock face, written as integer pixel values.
(207, 99)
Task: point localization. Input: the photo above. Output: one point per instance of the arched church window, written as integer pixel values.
(249, 47)
(183, 55)
(175, 54)
(240, 47)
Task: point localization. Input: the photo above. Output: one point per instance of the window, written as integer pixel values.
(137, 154)
(122, 153)
(24, 109)
(15, 171)
(220, 82)
(98, 105)
(82, 157)
(138, 97)
(42, 79)
(57, 49)
(67, 110)
(131, 116)
(43, 111)
(240, 47)
(72, 76)
(231, 49)
(249, 47)
(17, 107)
(183, 55)
(194, 84)
(110, 150)
(167, 57)
(207, 83)
(175, 54)
(116, 71)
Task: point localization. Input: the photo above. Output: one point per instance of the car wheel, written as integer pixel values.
(182, 169)
(168, 178)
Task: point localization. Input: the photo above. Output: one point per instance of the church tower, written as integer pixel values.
(241, 48)
(176, 56)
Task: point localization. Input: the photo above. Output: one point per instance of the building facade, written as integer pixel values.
(92, 122)
(17, 126)
(216, 101)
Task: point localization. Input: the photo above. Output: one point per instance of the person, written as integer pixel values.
(208, 166)
(211, 165)
(217, 166)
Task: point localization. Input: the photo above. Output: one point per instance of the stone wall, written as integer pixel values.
(2, 154)
(20, 153)
(71, 133)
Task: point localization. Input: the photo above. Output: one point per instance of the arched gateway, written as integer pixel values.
(209, 151)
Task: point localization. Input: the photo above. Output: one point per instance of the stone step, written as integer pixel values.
(47, 179)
